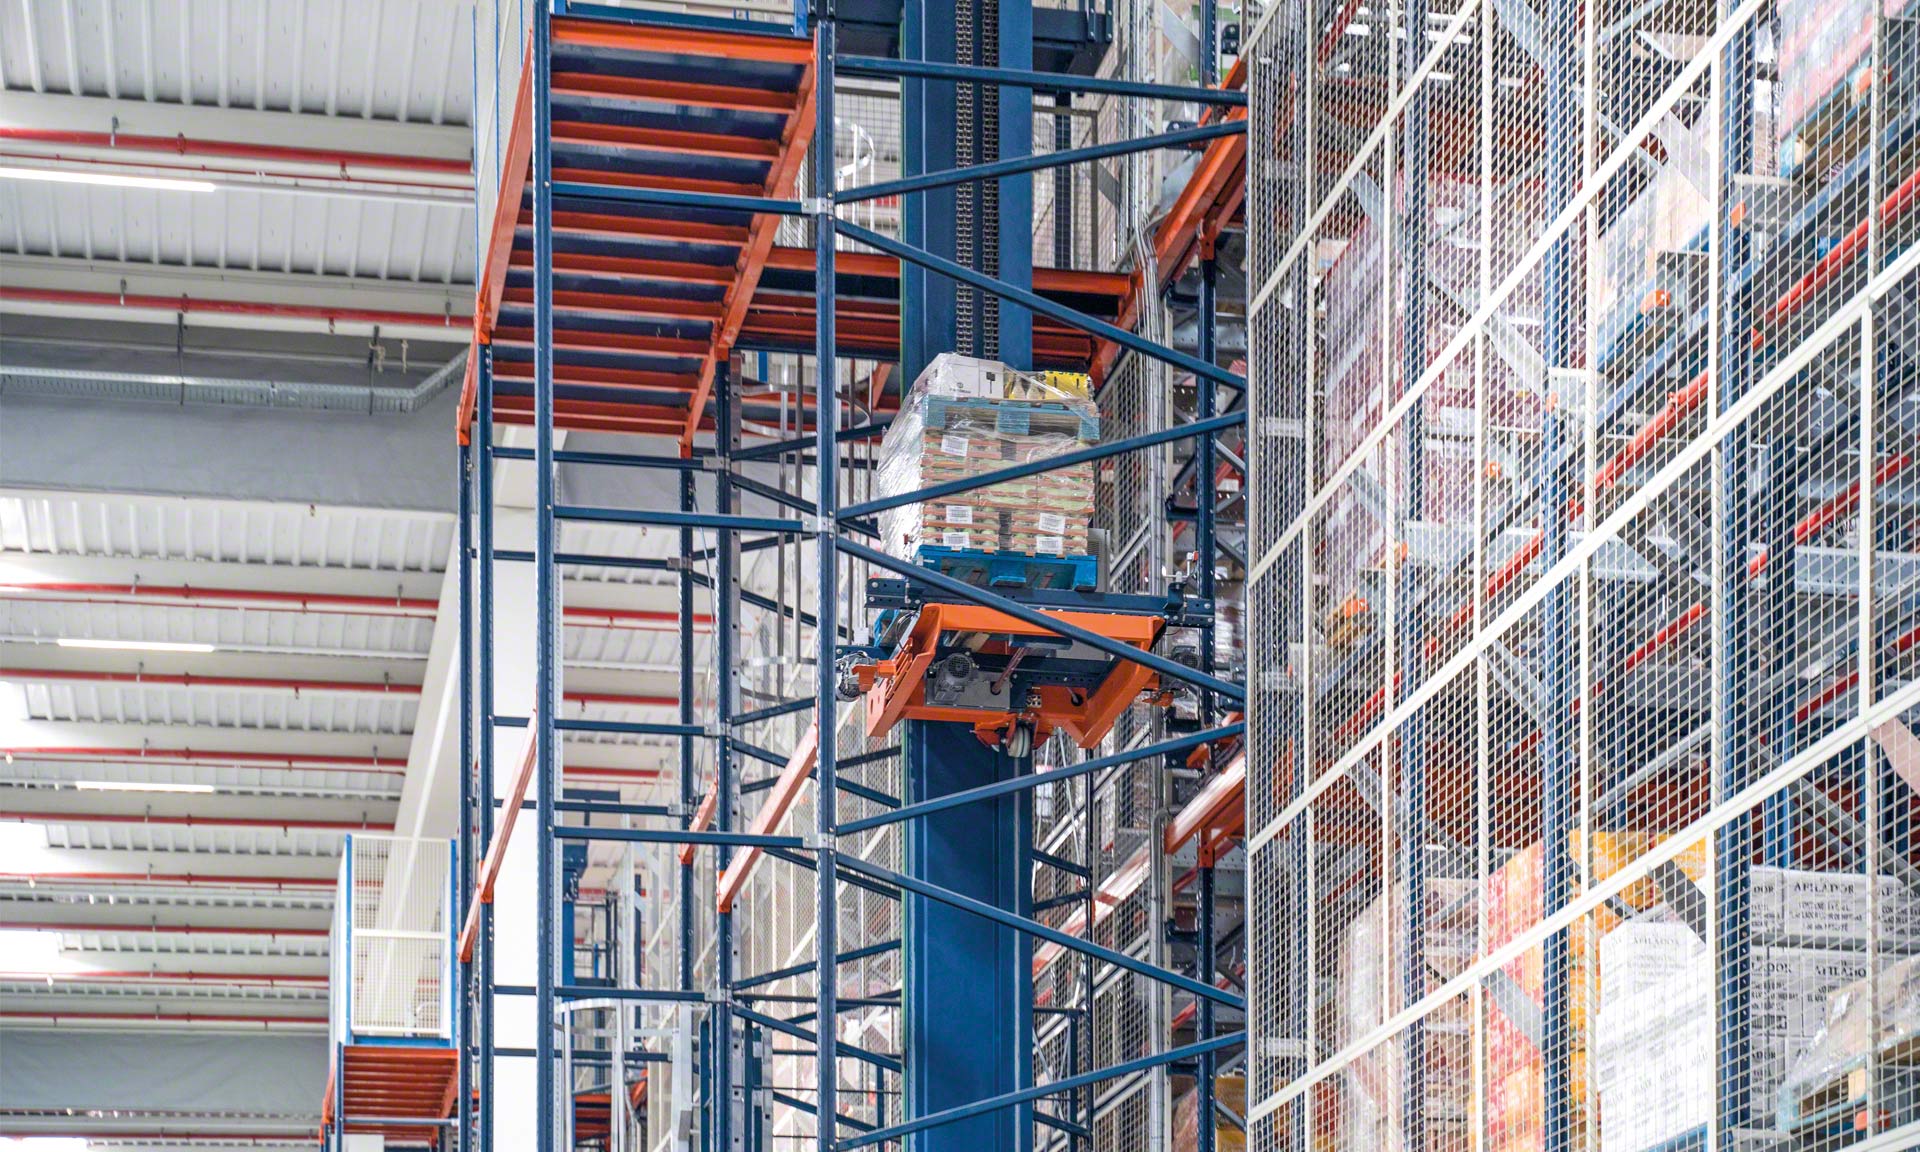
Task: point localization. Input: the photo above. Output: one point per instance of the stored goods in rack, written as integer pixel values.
(1872, 1025)
(965, 418)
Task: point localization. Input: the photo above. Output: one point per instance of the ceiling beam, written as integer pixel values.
(250, 745)
(118, 919)
(413, 591)
(138, 868)
(236, 298)
(588, 603)
(245, 139)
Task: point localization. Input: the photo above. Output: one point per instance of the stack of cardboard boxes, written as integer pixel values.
(965, 417)
(1369, 1120)
(1654, 1035)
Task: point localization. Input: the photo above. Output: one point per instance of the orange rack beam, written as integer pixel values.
(497, 851)
(779, 801)
(1212, 196)
(1217, 814)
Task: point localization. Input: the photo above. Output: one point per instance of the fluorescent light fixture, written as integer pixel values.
(139, 786)
(133, 645)
(43, 1144)
(105, 179)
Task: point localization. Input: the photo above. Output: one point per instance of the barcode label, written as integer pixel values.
(1056, 545)
(953, 445)
(959, 513)
(1053, 522)
(957, 538)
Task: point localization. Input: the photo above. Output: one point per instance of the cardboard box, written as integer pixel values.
(957, 422)
(964, 377)
(1654, 1033)
(1828, 907)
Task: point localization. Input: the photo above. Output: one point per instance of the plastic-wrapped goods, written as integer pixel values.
(1824, 72)
(1228, 1090)
(966, 417)
(1371, 1084)
(1653, 1040)
(1832, 1077)
(1515, 904)
(1670, 215)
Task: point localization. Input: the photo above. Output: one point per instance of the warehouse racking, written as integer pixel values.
(1585, 567)
(646, 255)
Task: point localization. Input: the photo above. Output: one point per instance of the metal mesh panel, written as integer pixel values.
(1063, 198)
(398, 931)
(1575, 770)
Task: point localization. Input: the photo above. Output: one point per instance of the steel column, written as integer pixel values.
(827, 421)
(1411, 835)
(725, 636)
(462, 869)
(961, 979)
(1560, 785)
(484, 708)
(1737, 756)
(688, 796)
(546, 694)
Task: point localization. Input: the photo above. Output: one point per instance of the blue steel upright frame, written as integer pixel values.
(828, 524)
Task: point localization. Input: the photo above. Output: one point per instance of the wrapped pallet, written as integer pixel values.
(1653, 1037)
(1228, 1090)
(1369, 1120)
(1515, 905)
(1868, 1023)
(1362, 373)
(1825, 74)
(966, 417)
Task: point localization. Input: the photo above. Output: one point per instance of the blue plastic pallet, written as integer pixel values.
(1011, 569)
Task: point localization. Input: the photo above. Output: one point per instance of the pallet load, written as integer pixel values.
(1228, 1090)
(1871, 1024)
(966, 417)
(1516, 1121)
(1653, 1035)
(1368, 1118)
(1644, 248)
(1826, 74)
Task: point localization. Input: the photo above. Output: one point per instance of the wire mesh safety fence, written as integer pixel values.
(1582, 763)
(393, 936)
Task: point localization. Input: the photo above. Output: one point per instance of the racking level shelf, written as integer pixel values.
(648, 296)
(405, 1081)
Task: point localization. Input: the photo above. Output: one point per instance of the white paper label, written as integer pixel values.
(958, 538)
(959, 514)
(1052, 522)
(1057, 545)
(953, 445)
